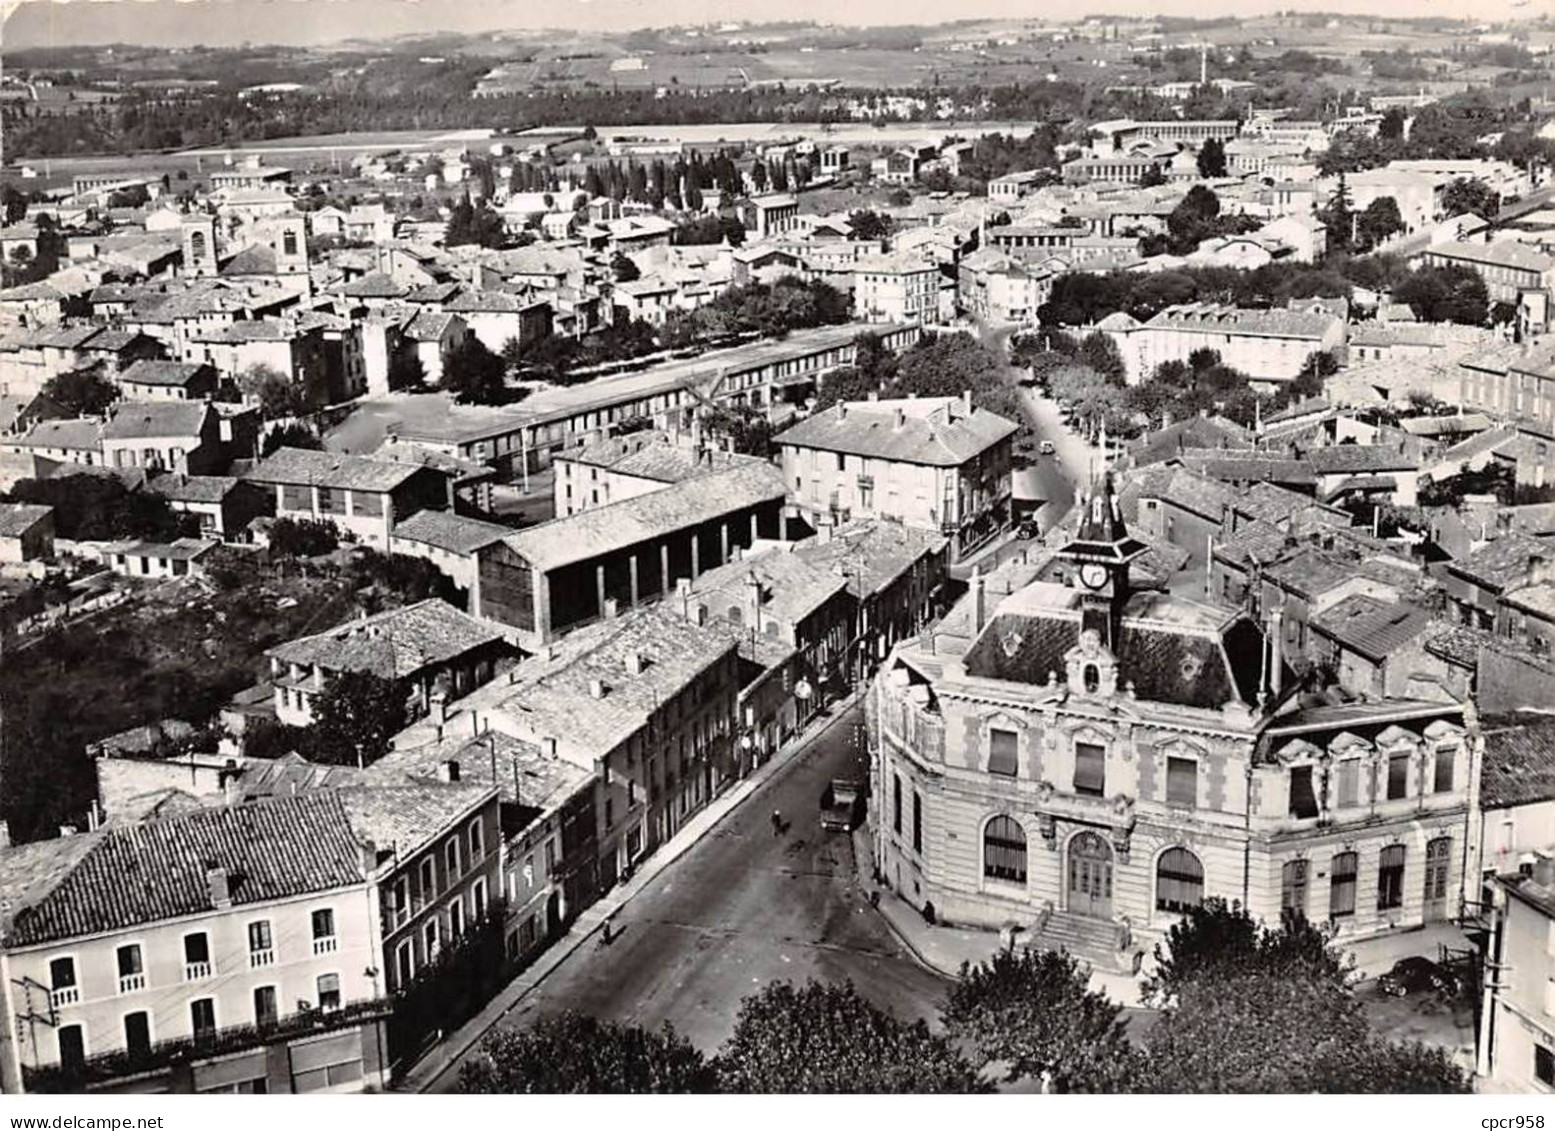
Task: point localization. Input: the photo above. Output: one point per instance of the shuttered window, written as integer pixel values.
(1090, 769)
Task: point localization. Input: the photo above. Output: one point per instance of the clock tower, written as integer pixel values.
(1100, 554)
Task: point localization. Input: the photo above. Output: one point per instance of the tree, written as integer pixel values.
(1453, 293)
(354, 718)
(1338, 217)
(1193, 220)
(474, 224)
(1392, 125)
(1216, 937)
(829, 1039)
(624, 270)
(81, 392)
(276, 394)
(1033, 1012)
(1379, 220)
(870, 225)
(1466, 194)
(1212, 158)
(13, 203)
(1249, 1008)
(302, 537)
(406, 371)
(571, 1053)
(474, 374)
(101, 507)
(290, 435)
(1154, 176)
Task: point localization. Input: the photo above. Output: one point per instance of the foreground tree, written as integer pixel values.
(827, 1038)
(354, 718)
(571, 1053)
(1212, 158)
(1250, 1008)
(1033, 1013)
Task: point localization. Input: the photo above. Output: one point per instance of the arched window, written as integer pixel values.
(197, 245)
(735, 614)
(1092, 678)
(1179, 880)
(1004, 850)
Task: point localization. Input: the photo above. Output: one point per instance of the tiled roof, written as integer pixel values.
(71, 435)
(1507, 253)
(1457, 644)
(1195, 432)
(559, 702)
(1257, 543)
(873, 554)
(1194, 492)
(124, 876)
(650, 455)
(1502, 563)
(192, 488)
(1220, 318)
(1312, 572)
(1351, 459)
(331, 469)
(16, 519)
(791, 587)
(1519, 765)
(525, 776)
(1536, 599)
(402, 819)
(163, 373)
(936, 431)
(392, 644)
(615, 526)
(1373, 628)
(444, 530)
(256, 259)
(135, 420)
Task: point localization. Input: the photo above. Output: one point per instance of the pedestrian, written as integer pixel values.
(607, 930)
(777, 822)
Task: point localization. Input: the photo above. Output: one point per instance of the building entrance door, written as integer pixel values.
(1090, 876)
(1438, 854)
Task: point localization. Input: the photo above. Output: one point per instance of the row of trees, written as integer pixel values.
(944, 365)
(1242, 1008)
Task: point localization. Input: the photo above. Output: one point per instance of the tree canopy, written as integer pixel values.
(1032, 1012)
(1453, 293)
(829, 1039)
(474, 374)
(572, 1053)
(81, 392)
(354, 718)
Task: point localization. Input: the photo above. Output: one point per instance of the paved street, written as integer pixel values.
(743, 908)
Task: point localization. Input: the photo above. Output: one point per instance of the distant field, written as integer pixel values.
(866, 67)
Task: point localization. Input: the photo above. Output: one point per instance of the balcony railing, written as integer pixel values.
(258, 958)
(219, 1042)
(326, 945)
(131, 983)
(195, 971)
(65, 995)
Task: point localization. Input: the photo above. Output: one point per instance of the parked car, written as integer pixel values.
(1415, 975)
(1027, 530)
(842, 805)
(1046, 448)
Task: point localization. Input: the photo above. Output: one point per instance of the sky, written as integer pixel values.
(175, 23)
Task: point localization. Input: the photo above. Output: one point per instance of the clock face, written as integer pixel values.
(1093, 576)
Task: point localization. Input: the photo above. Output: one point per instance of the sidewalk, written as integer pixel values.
(942, 950)
(425, 1073)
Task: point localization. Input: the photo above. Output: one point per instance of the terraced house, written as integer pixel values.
(1087, 762)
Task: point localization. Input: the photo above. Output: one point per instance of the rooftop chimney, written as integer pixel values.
(596, 689)
(634, 663)
(548, 746)
(842, 410)
(611, 608)
(901, 417)
(979, 603)
(5, 834)
(966, 400)
(448, 771)
(369, 856)
(219, 882)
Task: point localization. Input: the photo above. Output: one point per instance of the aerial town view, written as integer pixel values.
(580, 549)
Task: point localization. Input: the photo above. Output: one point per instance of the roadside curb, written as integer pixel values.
(589, 921)
(901, 936)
